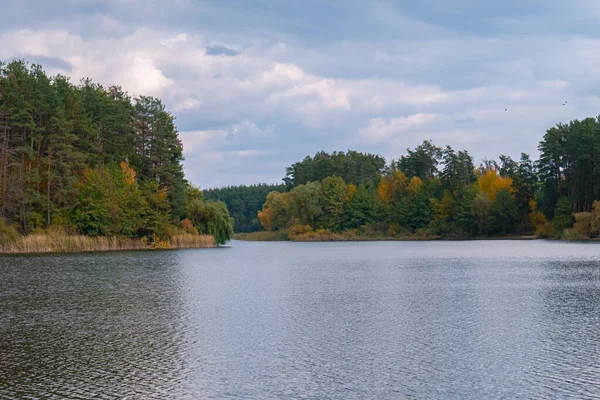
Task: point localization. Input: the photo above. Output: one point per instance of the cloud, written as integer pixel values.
(219, 50)
(381, 129)
(257, 87)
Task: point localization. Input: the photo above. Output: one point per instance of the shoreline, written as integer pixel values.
(341, 237)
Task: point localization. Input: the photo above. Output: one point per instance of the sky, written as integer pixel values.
(256, 85)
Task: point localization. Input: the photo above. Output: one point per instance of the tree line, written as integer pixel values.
(94, 160)
(438, 191)
(244, 203)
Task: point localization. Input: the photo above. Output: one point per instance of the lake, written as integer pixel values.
(276, 320)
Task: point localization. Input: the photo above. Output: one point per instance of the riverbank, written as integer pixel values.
(349, 236)
(66, 243)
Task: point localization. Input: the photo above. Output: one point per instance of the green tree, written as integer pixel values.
(353, 167)
(361, 209)
(421, 162)
(244, 203)
(563, 214)
(481, 207)
(213, 219)
(304, 206)
(275, 214)
(334, 196)
(504, 213)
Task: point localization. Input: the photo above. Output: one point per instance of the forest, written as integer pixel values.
(440, 192)
(244, 203)
(91, 160)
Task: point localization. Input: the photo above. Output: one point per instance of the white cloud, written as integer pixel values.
(383, 129)
(380, 96)
(198, 140)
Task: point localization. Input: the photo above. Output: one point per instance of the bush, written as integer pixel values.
(395, 230)
(8, 233)
(546, 230)
(158, 243)
(296, 230)
(445, 230)
(583, 223)
(572, 234)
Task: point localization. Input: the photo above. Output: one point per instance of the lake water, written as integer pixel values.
(387, 320)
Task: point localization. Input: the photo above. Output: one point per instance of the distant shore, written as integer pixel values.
(264, 236)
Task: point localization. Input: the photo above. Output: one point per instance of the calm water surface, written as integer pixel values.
(492, 319)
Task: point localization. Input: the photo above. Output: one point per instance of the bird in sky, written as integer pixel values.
(506, 109)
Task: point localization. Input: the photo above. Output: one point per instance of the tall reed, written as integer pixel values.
(66, 243)
(192, 241)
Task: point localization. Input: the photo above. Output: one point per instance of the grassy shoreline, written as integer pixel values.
(67, 243)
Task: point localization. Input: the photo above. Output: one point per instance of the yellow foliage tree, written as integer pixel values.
(491, 183)
(351, 191)
(414, 186)
(128, 173)
(275, 213)
(388, 185)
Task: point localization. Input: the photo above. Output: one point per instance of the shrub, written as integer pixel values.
(395, 230)
(546, 230)
(583, 223)
(296, 230)
(158, 243)
(572, 234)
(8, 233)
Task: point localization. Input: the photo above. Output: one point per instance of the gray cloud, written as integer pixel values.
(258, 85)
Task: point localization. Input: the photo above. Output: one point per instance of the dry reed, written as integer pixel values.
(192, 241)
(64, 243)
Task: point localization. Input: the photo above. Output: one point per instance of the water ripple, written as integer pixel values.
(304, 321)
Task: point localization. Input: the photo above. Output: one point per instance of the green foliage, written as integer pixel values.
(572, 234)
(304, 205)
(458, 169)
(275, 214)
(109, 204)
(568, 166)
(208, 217)
(8, 233)
(244, 203)
(563, 214)
(420, 213)
(211, 217)
(421, 162)
(333, 198)
(89, 157)
(352, 167)
(361, 209)
(463, 210)
(481, 208)
(504, 213)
